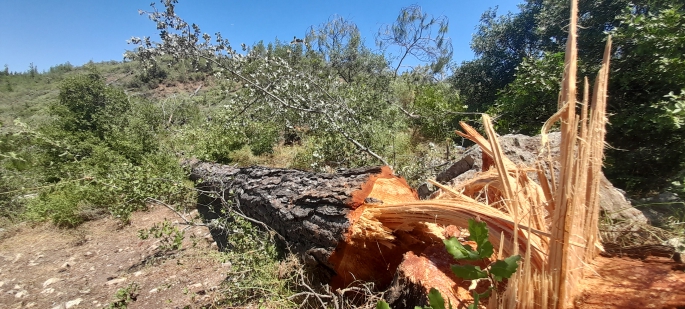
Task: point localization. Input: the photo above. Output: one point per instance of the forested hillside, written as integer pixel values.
(107, 139)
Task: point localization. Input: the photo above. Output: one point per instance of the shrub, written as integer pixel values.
(100, 155)
(61, 68)
(66, 203)
(496, 272)
(86, 104)
(526, 103)
(438, 106)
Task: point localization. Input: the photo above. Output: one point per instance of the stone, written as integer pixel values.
(47, 291)
(660, 207)
(678, 243)
(115, 281)
(51, 281)
(524, 150)
(73, 303)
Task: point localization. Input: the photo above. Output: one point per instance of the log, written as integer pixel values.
(312, 212)
(338, 224)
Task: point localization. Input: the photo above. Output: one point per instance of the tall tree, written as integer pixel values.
(648, 76)
(413, 33)
(500, 44)
(644, 132)
(596, 18)
(339, 42)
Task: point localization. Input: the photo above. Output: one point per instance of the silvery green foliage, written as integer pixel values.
(340, 43)
(268, 83)
(413, 33)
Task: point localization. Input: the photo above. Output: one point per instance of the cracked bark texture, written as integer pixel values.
(308, 209)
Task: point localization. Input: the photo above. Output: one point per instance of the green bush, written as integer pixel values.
(256, 274)
(526, 103)
(61, 68)
(66, 204)
(262, 137)
(86, 104)
(150, 77)
(101, 154)
(438, 106)
(213, 141)
(648, 145)
(323, 152)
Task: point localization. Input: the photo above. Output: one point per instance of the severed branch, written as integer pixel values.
(187, 44)
(158, 202)
(196, 90)
(410, 115)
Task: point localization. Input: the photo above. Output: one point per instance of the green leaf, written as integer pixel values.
(435, 299)
(459, 251)
(382, 305)
(479, 234)
(469, 272)
(505, 268)
(456, 249)
(485, 250)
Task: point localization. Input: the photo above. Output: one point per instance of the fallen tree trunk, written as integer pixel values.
(311, 211)
(362, 225)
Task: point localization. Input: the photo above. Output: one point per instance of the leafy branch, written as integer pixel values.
(496, 272)
(282, 90)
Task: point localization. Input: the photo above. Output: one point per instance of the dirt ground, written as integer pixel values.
(631, 284)
(47, 267)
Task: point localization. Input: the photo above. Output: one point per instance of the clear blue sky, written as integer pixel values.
(50, 32)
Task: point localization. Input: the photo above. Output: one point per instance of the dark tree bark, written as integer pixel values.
(314, 212)
(309, 210)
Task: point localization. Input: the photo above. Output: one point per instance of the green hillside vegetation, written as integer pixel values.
(331, 102)
(106, 139)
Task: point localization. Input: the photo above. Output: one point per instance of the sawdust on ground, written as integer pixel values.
(631, 284)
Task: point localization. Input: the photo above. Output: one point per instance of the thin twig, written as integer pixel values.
(158, 202)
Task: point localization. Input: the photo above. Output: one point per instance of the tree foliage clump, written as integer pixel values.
(648, 146)
(339, 44)
(526, 103)
(516, 76)
(500, 45)
(99, 155)
(413, 34)
(317, 87)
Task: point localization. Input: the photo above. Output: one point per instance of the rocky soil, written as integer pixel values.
(45, 267)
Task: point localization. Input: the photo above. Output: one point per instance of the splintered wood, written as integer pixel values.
(552, 225)
(369, 225)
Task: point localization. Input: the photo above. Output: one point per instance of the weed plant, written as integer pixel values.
(257, 275)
